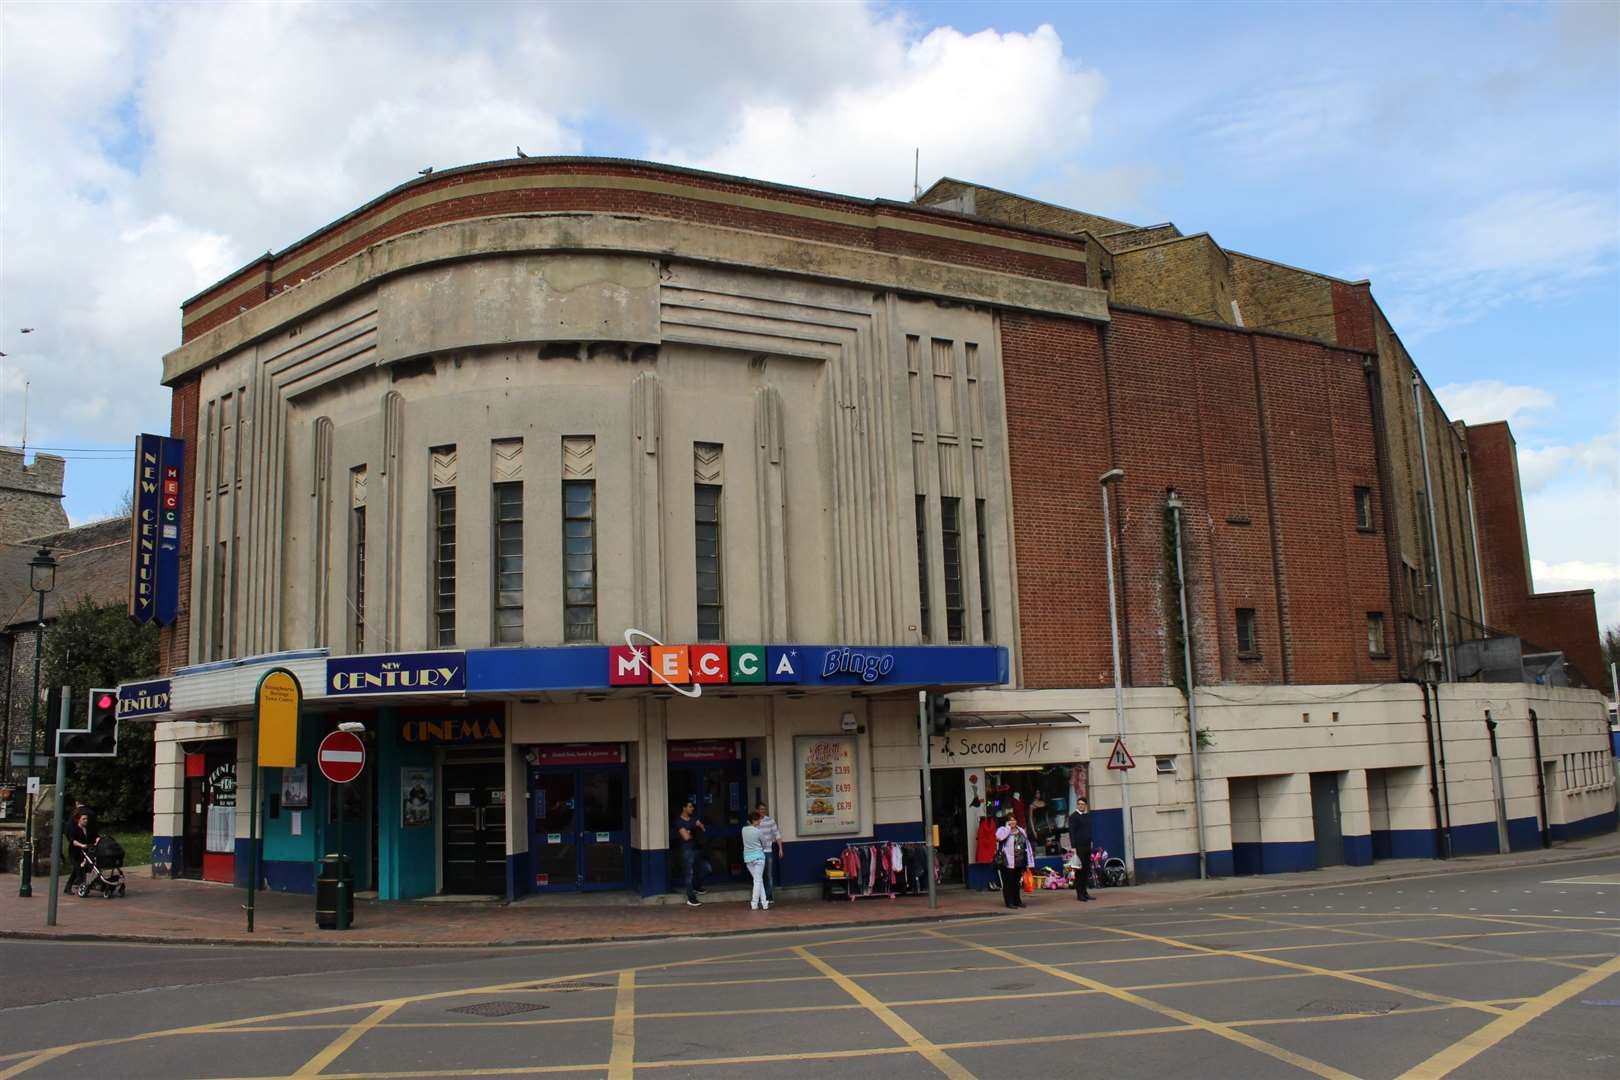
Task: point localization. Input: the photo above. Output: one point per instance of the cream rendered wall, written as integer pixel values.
(169, 771)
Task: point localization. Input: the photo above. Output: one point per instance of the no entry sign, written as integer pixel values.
(341, 757)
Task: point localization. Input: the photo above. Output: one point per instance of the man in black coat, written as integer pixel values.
(1080, 838)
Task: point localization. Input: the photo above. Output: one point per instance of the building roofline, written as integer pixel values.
(1257, 331)
(1026, 198)
(872, 203)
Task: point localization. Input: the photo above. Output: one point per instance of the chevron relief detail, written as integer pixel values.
(357, 487)
(579, 457)
(444, 466)
(506, 460)
(708, 463)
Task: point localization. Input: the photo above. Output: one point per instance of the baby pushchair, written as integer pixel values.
(101, 867)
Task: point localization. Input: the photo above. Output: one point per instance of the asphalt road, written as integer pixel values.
(1499, 973)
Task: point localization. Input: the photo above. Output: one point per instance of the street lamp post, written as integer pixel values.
(42, 579)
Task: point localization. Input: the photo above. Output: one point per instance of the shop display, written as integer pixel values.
(884, 869)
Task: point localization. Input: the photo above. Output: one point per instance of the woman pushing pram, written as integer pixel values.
(97, 861)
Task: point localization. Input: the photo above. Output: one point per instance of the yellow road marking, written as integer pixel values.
(1330, 973)
(891, 1019)
(1212, 1027)
(1439, 941)
(350, 1036)
(1471, 1046)
(621, 1060)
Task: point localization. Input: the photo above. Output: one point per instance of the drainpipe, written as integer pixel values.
(1103, 481)
(1441, 823)
(1445, 779)
(1434, 532)
(1473, 531)
(1502, 844)
(1541, 780)
(1173, 501)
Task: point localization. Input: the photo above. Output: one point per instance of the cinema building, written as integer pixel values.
(589, 486)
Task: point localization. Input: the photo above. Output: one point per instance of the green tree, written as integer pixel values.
(1611, 656)
(90, 645)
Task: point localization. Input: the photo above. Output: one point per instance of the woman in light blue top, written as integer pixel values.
(754, 858)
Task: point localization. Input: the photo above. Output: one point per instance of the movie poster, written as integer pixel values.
(416, 796)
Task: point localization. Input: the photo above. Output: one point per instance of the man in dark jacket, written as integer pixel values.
(1080, 837)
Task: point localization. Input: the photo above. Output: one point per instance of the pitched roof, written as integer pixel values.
(92, 560)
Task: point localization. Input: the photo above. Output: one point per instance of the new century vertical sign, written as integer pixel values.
(154, 560)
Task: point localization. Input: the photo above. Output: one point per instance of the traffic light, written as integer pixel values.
(100, 737)
(939, 714)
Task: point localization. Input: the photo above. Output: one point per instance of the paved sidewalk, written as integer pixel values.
(169, 911)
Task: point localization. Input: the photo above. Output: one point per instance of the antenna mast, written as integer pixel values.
(916, 174)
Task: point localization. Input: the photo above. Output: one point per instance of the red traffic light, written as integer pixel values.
(106, 701)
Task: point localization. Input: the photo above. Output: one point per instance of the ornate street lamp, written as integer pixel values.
(42, 579)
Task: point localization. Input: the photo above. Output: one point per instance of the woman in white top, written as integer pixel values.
(754, 858)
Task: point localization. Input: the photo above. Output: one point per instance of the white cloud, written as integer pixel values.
(1523, 247)
(1490, 399)
(984, 106)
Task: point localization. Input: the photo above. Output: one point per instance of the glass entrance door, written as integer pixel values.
(475, 829)
(581, 827)
(717, 789)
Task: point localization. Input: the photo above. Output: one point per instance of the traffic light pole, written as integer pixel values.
(56, 814)
(927, 796)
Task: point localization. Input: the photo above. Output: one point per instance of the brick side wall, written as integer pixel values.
(174, 642)
(1265, 439)
(1187, 276)
(1566, 621)
(992, 205)
(1276, 297)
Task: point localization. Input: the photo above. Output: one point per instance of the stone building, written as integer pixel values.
(590, 486)
(30, 495)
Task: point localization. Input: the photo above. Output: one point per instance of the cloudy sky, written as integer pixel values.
(1462, 157)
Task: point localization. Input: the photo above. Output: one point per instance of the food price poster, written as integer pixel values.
(824, 784)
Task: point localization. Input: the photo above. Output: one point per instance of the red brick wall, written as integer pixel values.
(1566, 621)
(248, 287)
(174, 642)
(1265, 438)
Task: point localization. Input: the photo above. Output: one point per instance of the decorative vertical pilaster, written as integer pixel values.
(647, 504)
(770, 472)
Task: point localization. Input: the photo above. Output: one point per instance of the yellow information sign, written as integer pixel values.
(279, 695)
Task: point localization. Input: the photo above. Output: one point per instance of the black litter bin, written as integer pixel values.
(334, 893)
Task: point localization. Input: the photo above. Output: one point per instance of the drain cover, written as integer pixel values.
(499, 1008)
(1342, 1007)
(570, 987)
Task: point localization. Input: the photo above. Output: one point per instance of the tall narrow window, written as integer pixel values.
(1364, 509)
(984, 571)
(579, 560)
(950, 534)
(357, 576)
(923, 614)
(508, 503)
(1376, 646)
(1248, 640)
(711, 623)
(444, 566)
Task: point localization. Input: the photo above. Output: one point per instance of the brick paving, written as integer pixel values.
(170, 911)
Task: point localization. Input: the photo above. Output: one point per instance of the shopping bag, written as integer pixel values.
(1029, 881)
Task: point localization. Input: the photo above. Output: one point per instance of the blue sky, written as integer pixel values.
(1465, 158)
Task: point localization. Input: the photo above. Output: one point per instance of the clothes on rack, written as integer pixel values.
(885, 868)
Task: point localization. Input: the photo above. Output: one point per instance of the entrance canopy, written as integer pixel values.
(650, 667)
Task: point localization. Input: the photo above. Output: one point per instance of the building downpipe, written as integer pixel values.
(1541, 780)
(1442, 821)
(1173, 503)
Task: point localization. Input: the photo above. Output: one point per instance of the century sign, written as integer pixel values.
(154, 550)
(397, 673)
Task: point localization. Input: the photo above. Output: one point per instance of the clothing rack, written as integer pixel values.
(872, 870)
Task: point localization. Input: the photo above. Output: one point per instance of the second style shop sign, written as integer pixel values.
(824, 785)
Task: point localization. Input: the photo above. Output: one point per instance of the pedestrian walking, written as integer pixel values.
(82, 837)
(773, 849)
(1080, 838)
(688, 835)
(753, 842)
(1012, 858)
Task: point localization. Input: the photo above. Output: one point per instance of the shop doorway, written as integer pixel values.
(580, 835)
(475, 828)
(1325, 813)
(208, 831)
(710, 773)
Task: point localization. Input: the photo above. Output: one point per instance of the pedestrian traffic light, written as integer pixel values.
(939, 714)
(100, 737)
